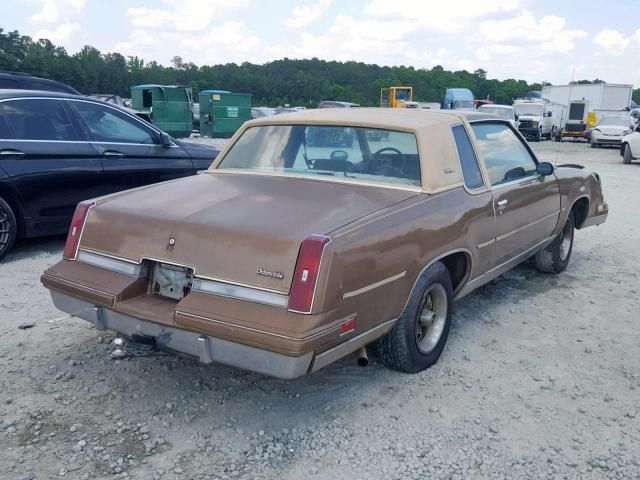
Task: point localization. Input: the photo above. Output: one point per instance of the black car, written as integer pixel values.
(58, 149)
(25, 81)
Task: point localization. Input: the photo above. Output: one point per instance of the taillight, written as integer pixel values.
(75, 230)
(305, 277)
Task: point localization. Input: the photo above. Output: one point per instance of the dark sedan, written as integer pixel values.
(58, 149)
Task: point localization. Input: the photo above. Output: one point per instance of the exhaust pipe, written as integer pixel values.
(363, 359)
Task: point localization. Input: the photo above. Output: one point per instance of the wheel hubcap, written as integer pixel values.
(431, 318)
(565, 242)
(5, 228)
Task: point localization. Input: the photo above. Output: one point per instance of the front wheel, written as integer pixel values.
(8, 228)
(418, 338)
(593, 144)
(554, 258)
(626, 154)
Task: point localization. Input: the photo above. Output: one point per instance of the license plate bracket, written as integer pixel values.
(171, 281)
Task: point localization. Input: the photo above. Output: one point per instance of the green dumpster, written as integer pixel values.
(223, 112)
(170, 107)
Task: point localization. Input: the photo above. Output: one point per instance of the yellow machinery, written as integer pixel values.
(397, 97)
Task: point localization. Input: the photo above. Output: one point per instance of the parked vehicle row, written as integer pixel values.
(59, 149)
(283, 259)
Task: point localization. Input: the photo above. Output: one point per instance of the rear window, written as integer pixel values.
(352, 153)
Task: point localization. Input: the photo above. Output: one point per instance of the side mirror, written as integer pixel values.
(544, 168)
(165, 139)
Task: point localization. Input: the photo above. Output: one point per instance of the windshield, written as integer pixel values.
(502, 112)
(617, 121)
(528, 109)
(353, 153)
(460, 104)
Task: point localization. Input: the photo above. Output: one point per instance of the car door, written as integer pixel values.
(526, 204)
(131, 150)
(51, 166)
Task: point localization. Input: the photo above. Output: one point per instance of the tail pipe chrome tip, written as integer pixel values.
(363, 359)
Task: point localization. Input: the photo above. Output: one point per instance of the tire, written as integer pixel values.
(626, 154)
(538, 136)
(8, 228)
(593, 145)
(418, 337)
(555, 257)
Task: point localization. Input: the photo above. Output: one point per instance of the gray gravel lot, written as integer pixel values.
(540, 379)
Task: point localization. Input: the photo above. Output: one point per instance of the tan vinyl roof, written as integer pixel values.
(389, 118)
(438, 153)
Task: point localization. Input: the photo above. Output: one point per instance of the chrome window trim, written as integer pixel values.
(238, 292)
(485, 183)
(144, 124)
(315, 178)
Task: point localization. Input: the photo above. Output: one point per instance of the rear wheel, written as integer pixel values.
(554, 258)
(626, 154)
(418, 338)
(8, 228)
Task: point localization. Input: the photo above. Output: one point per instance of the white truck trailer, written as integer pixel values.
(586, 104)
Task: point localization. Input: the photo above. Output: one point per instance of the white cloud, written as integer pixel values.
(182, 15)
(53, 11)
(440, 16)
(303, 15)
(525, 27)
(612, 41)
(226, 42)
(60, 35)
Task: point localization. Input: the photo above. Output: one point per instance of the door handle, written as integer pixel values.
(112, 154)
(10, 154)
(502, 204)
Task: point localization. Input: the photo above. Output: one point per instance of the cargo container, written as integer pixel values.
(223, 112)
(169, 107)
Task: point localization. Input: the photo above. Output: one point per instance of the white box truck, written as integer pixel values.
(538, 118)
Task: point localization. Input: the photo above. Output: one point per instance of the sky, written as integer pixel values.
(534, 40)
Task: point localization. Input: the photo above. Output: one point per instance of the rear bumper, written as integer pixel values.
(208, 349)
(205, 348)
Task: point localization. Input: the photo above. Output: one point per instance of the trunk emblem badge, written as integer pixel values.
(269, 273)
(172, 242)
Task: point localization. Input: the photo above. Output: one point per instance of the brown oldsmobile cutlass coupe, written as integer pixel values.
(318, 233)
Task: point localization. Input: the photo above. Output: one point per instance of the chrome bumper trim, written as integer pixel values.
(205, 348)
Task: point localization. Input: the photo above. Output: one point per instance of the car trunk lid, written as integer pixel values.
(239, 228)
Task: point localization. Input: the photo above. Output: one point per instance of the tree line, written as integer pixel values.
(286, 81)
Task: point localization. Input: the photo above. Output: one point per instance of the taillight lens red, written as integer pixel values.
(75, 230)
(306, 274)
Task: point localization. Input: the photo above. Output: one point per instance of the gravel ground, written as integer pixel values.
(540, 379)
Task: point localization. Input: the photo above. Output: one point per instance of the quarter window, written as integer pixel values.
(38, 119)
(505, 156)
(108, 125)
(468, 160)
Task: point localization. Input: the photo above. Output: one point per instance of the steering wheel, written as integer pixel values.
(389, 163)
